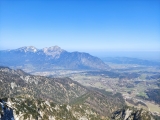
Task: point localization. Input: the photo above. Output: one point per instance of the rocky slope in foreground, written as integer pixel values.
(36, 97)
(31, 109)
(51, 58)
(20, 85)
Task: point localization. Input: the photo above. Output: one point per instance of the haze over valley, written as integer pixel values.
(79, 60)
(54, 76)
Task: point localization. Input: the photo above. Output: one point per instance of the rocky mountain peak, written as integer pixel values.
(50, 58)
(28, 49)
(52, 48)
(53, 51)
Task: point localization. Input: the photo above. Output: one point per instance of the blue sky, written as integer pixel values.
(81, 25)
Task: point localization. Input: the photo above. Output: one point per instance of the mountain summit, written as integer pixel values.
(27, 49)
(53, 51)
(49, 58)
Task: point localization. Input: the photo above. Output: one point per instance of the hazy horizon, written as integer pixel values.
(146, 55)
(89, 26)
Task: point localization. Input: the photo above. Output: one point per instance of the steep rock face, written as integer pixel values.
(128, 113)
(49, 58)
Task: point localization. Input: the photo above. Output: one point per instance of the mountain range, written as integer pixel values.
(49, 58)
(135, 61)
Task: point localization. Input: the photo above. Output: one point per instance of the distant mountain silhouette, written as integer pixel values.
(127, 60)
(49, 58)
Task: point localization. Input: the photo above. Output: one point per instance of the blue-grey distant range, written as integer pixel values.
(49, 58)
